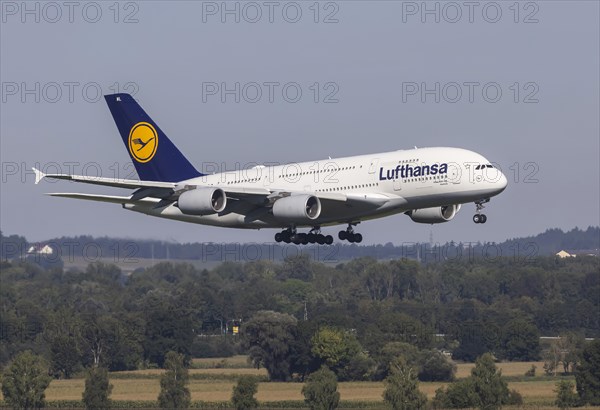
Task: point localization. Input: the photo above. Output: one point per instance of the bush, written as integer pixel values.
(97, 389)
(531, 371)
(436, 367)
(489, 386)
(243, 393)
(458, 395)
(484, 389)
(514, 398)
(565, 396)
(174, 393)
(320, 391)
(402, 388)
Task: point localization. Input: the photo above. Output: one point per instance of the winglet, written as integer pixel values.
(39, 175)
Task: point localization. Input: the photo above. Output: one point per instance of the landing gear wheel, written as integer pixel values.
(482, 218)
(303, 238)
(329, 239)
(351, 238)
(342, 235)
(320, 239)
(477, 218)
(358, 238)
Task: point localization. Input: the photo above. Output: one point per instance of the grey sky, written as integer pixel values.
(545, 123)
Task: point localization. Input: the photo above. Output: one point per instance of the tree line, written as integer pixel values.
(129, 251)
(102, 316)
(25, 382)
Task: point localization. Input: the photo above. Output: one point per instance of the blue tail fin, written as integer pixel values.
(155, 157)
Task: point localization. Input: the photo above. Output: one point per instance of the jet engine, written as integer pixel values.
(434, 215)
(297, 208)
(202, 201)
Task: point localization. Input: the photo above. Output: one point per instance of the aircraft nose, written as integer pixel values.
(502, 182)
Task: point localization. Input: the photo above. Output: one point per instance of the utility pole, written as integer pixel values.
(305, 312)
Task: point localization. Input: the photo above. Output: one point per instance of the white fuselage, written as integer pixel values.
(383, 184)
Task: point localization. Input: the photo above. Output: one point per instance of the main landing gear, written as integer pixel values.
(313, 236)
(480, 218)
(349, 234)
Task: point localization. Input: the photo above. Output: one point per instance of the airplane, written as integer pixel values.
(427, 184)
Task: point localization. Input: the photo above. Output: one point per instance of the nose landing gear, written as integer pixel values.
(480, 218)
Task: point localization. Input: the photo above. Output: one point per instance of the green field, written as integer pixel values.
(212, 380)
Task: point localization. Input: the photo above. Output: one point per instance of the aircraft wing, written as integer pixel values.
(114, 182)
(169, 191)
(137, 184)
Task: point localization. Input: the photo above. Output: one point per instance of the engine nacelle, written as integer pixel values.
(435, 215)
(202, 201)
(297, 208)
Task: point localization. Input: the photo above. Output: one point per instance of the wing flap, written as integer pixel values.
(100, 198)
(114, 182)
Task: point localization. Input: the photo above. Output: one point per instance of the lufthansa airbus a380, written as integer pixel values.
(427, 184)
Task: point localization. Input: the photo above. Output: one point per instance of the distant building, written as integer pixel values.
(587, 252)
(39, 249)
(573, 254)
(565, 254)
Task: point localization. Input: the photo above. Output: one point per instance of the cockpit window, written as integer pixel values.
(483, 166)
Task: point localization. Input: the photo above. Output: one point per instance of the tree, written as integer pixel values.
(565, 351)
(174, 393)
(475, 337)
(402, 388)
(64, 356)
(565, 396)
(268, 336)
(436, 367)
(391, 351)
(169, 327)
(488, 385)
(341, 352)
(243, 393)
(520, 341)
(302, 360)
(25, 381)
(320, 391)
(97, 389)
(552, 358)
(571, 345)
(587, 374)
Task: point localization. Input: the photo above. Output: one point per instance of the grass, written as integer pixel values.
(508, 368)
(234, 362)
(154, 373)
(535, 391)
